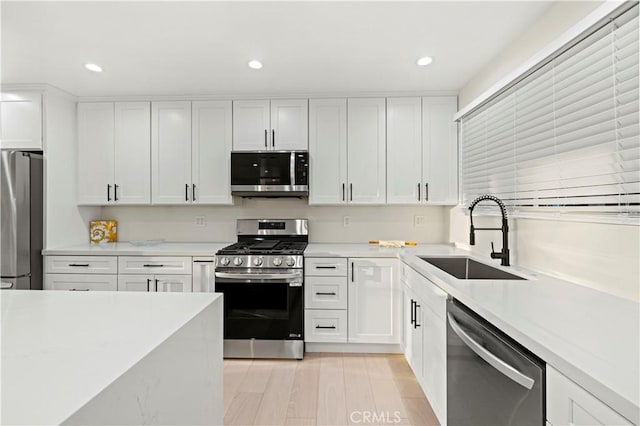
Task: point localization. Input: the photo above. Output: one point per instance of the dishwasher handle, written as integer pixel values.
(490, 358)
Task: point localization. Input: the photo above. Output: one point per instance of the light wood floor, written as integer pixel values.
(324, 389)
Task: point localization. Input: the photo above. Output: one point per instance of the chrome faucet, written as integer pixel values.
(503, 255)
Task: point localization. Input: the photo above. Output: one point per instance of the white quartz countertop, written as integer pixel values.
(128, 249)
(60, 348)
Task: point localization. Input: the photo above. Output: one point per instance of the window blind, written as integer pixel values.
(566, 137)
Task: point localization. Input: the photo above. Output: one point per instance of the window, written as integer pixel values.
(566, 137)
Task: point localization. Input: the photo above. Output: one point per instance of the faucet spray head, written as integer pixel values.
(472, 236)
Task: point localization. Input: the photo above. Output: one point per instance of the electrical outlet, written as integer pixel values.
(200, 220)
(346, 221)
(418, 221)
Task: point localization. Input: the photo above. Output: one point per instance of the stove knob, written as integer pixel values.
(291, 261)
(257, 261)
(237, 261)
(224, 261)
(277, 261)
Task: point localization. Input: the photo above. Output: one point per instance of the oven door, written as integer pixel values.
(261, 304)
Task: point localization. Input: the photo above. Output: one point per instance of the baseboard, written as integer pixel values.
(373, 348)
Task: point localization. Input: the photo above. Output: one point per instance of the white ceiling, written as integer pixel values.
(179, 48)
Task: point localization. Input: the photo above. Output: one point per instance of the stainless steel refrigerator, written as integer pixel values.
(21, 220)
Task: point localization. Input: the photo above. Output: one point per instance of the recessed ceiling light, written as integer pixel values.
(93, 67)
(256, 65)
(424, 61)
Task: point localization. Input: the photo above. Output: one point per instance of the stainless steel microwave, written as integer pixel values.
(270, 173)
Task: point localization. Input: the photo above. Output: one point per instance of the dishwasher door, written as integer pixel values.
(491, 379)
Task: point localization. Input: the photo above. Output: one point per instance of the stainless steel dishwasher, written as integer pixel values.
(491, 379)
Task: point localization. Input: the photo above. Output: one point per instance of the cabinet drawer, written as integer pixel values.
(325, 292)
(325, 325)
(325, 266)
(154, 265)
(81, 265)
(568, 403)
(79, 282)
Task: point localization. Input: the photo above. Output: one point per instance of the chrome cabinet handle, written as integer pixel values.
(491, 359)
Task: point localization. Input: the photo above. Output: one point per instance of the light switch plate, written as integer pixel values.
(346, 221)
(418, 221)
(200, 221)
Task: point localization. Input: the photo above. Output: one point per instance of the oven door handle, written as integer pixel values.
(260, 277)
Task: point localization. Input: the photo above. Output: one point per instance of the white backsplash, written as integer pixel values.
(177, 223)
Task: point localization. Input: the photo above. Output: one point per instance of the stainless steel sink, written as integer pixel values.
(465, 268)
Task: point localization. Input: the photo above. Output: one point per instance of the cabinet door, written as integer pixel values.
(132, 153)
(173, 283)
(327, 151)
(95, 153)
(21, 120)
(251, 125)
(171, 152)
(211, 152)
(374, 301)
(440, 150)
(366, 151)
(79, 282)
(407, 324)
(136, 283)
(434, 361)
(417, 331)
(290, 124)
(203, 279)
(404, 151)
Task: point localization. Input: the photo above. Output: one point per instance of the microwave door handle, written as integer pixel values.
(491, 359)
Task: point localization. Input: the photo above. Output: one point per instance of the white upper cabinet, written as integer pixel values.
(327, 151)
(251, 125)
(289, 124)
(21, 120)
(440, 150)
(114, 153)
(95, 153)
(422, 151)
(211, 152)
(375, 301)
(270, 125)
(132, 153)
(404, 151)
(171, 152)
(366, 151)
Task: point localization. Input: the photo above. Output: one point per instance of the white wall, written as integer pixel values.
(602, 256)
(325, 223)
(65, 223)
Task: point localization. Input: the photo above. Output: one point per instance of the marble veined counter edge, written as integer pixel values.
(81, 354)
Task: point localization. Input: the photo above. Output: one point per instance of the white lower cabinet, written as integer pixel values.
(203, 275)
(80, 282)
(374, 301)
(354, 300)
(570, 404)
(425, 339)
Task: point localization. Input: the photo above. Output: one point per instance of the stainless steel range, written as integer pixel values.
(262, 278)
